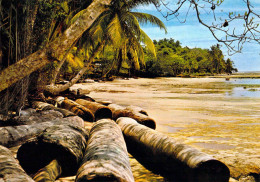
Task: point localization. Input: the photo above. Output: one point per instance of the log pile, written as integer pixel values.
(45, 106)
(76, 108)
(56, 143)
(100, 111)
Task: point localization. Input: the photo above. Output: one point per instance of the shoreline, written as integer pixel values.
(197, 112)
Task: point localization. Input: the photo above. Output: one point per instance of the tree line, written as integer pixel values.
(174, 60)
(169, 59)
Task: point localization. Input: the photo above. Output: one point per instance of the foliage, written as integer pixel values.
(175, 60)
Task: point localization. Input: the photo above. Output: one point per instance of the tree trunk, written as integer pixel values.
(119, 111)
(55, 49)
(64, 143)
(16, 135)
(30, 116)
(57, 69)
(55, 89)
(45, 107)
(161, 154)
(100, 111)
(77, 109)
(10, 170)
(106, 157)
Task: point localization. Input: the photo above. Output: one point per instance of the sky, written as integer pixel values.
(193, 34)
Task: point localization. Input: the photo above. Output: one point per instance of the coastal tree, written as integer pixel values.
(114, 24)
(54, 49)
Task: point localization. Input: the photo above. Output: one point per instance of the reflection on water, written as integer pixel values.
(245, 88)
(246, 81)
(244, 92)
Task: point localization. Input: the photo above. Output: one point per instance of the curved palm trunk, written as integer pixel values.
(57, 69)
(55, 89)
(56, 48)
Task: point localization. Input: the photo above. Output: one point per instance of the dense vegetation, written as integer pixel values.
(171, 59)
(174, 60)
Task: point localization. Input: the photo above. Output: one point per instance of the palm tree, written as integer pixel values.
(119, 27)
(55, 48)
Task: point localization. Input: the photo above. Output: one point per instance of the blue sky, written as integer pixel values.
(193, 34)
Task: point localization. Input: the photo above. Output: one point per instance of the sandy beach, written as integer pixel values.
(205, 113)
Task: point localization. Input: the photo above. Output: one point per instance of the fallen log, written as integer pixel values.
(28, 118)
(10, 170)
(56, 152)
(167, 157)
(106, 157)
(45, 106)
(119, 111)
(16, 135)
(100, 111)
(76, 108)
(137, 109)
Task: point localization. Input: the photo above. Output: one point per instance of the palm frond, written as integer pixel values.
(132, 23)
(145, 18)
(115, 32)
(145, 39)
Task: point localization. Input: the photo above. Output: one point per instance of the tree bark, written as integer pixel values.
(16, 135)
(45, 107)
(106, 157)
(100, 111)
(64, 143)
(162, 154)
(119, 111)
(10, 170)
(77, 109)
(56, 48)
(30, 116)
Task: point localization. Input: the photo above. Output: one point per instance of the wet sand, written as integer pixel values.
(200, 112)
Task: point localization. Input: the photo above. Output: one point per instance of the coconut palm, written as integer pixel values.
(119, 27)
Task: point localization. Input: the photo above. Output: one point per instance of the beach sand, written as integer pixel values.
(200, 112)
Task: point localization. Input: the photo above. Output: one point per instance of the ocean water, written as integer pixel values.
(244, 88)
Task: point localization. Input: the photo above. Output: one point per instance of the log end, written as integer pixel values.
(212, 171)
(103, 113)
(62, 142)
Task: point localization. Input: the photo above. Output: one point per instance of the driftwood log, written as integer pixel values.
(176, 161)
(16, 135)
(76, 108)
(57, 151)
(106, 157)
(10, 170)
(137, 114)
(45, 106)
(31, 116)
(137, 109)
(100, 111)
